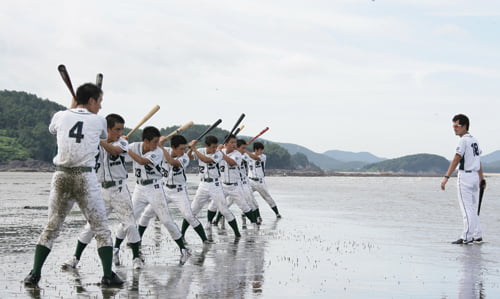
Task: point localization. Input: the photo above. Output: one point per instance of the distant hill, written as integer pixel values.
(323, 161)
(492, 157)
(418, 164)
(344, 156)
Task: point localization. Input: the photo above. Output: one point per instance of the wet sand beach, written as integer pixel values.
(340, 237)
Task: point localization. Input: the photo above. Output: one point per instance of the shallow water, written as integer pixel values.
(340, 237)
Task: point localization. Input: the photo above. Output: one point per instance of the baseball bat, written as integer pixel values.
(481, 192)
(234, 127)
(144, 119)
(213, 126)
(239, 130)
(65, 76)
(185, 126)
(98, 80)
(258, 135)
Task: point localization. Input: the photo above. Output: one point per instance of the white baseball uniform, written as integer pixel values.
(210, 186)
(174, 182)
(231, 182)
(247, 189)
(468, 186)
(149, 188)
(256, 174)
(78, 134)
(112, 175)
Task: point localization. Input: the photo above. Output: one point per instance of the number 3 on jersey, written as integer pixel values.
(76, 131)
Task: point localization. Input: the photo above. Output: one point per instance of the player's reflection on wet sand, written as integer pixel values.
(471, 282)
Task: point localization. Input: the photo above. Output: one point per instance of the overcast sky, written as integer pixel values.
(381, 76)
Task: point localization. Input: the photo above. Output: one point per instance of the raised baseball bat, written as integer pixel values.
(238, 130)
(65, 76)
(98, 80)
(182, 128)
(258, 135)
(144, 119)
(482, 186)
(213, 126)
(234, 127)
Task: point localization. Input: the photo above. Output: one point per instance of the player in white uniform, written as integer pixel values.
(470, 175)
(147, 159)
(210, 186)
(231, 179)
(174, 180)
(78, 131)
(257, 173)
(241, 146)
(112, 176)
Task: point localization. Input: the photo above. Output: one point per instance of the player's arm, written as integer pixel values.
(453, 166)
(482, 181)
(228, 159)
(169, 158)
(201, 156)
(140, 160)
(252, 155)
(112, 149)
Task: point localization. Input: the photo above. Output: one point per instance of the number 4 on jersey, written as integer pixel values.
(76, 131)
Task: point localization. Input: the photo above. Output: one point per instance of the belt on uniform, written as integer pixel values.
(146, 182)
(255, 179)
(209, 180)
(110, 184)
(173, 186)
(231, 184)
(74, 169)
(468, 171)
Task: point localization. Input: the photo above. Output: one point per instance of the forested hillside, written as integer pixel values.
(24, 120)
(24, 135)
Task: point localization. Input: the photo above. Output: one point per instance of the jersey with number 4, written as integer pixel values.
(78, 134)
(469, 149)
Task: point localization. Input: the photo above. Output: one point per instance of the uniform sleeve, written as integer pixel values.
(263, 158)
(184, 161)
(156, 156)
(217, 156)
(122, 143)
(53, 123)
(461, 147)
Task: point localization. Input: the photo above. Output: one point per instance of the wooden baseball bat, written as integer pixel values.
(185, 126)
(65, 76)
(239, 130)
(144, 119)
(234, 127)
(98, 80)
(213, 126)
(258, 135)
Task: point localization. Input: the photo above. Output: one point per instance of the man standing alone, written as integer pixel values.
(470, 176)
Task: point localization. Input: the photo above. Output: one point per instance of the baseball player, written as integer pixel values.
(174, 181)
(257, 173)
(210, 185)
(470, 174)
(112, 176)
(147, 160)
(231, 179)
(241, 146)
(78, 131)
